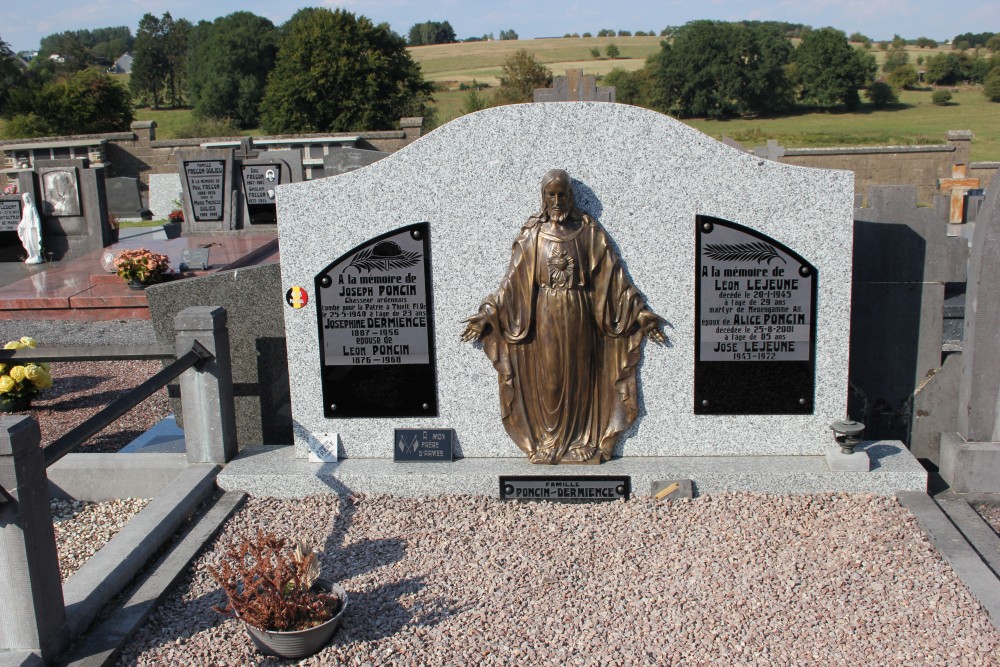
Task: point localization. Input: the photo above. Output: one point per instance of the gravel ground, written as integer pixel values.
(745, 579)
(992, 515)
(82, 528)
(80, 389)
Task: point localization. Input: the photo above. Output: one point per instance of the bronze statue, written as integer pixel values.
(564, 333)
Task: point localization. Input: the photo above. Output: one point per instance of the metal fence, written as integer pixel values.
(33, 613)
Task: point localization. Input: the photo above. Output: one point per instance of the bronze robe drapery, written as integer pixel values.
(565, 341)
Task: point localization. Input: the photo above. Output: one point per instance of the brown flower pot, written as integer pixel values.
(301, 643)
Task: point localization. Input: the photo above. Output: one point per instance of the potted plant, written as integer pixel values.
(19, 383)
(141, 267)
(287, 608)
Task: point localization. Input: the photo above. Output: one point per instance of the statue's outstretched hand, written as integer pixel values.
(475, 327)
(650, 324)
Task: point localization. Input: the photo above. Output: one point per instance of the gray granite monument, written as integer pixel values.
(474, 182)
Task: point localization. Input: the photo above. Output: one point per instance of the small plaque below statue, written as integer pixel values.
(414, 445)
(566, 488)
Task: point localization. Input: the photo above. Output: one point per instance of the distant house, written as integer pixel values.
(123, 65)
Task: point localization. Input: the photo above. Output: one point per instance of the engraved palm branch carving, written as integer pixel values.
(743, 252)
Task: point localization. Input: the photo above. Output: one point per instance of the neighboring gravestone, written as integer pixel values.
(342, 160)
(257, 340)
(475, 182)
(11, 249)
(970, 458)
(165, 195)
(575, 87)
(207, 182)
(123, 197)
(902, 260)
(260, 172)
(72, 202)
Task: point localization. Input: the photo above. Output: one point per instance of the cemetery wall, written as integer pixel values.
(921, 166)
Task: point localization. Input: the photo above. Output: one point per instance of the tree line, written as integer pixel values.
(320, 71)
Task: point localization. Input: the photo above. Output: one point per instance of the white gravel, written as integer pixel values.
(732, 579)
(82, 528)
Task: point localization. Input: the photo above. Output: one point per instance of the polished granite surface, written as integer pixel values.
(81, 289)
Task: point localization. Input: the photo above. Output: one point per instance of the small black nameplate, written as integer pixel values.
(566, 488)
(194, 258)
(432, 445)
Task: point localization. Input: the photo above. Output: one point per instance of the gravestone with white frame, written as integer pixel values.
(207, 186)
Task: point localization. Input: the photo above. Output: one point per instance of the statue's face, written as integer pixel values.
(557, 197)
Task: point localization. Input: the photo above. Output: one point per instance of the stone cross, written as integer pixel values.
(958, 184)
(247, 151)
(575, 87)
(772, 151)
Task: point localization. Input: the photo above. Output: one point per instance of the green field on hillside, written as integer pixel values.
(915, 121)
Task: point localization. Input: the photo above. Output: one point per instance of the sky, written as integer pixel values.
(25, 23)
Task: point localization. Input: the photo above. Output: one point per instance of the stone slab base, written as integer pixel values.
(970, 467)
(274, 471)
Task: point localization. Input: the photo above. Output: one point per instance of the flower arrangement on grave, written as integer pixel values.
(19, 383)
(176, 215)
(141, 266)
(276, 589)
(10, 189)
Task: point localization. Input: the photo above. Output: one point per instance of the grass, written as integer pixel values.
(915, 121)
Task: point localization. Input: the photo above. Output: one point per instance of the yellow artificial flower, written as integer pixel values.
(6, 384)
(39, 377)
(28, 341)
(3, 368)
(12, 345)
(17, 373)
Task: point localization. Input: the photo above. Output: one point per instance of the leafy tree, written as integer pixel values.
(829, 71)
(149, 60)
(508, 35)
(228, 63)
(102, 46)
(624, 33)
(175, 42)
(612, 51)
(991, 85)
(903, 77)
(945, 69)
(84, 102)
(431, 32)
(941, 98)
(858, 38)
(587, 35)
(895, 58)
(595, 53)
(971, 40)
(606, 32)
(474, 101)
(336, 71)
(881, 95)
(926, 43)
(898, 42)
(11, 74)
(631, 87)
(993, 43)
(718, 69)
(520, 75)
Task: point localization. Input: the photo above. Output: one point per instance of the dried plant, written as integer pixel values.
(270, 586)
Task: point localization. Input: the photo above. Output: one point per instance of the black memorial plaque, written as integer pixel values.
(206, 181)
(10, 214)
(376, 328)
(755, 339)
(194, 258)
(429, 445)
(259, 182)
(566, 488)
